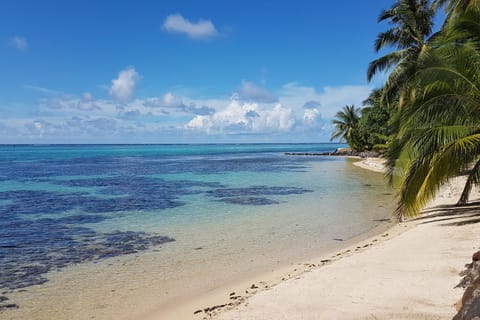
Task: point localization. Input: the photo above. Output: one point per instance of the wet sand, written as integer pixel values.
(408, 272)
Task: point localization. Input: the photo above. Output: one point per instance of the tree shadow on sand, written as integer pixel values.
(468, 214)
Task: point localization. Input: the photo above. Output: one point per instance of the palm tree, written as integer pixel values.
(346, 125)
(412, 22)
(376, 121)
(439, 135)
(454, 7)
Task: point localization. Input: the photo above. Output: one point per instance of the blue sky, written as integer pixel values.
(181, 71)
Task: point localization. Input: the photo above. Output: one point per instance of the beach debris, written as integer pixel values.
(8, 306)
(198, 311)
(232, 294)
(253, 286)
(325, 261)
(210, 309)
(338, 239)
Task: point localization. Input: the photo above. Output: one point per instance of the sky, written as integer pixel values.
(177, 71)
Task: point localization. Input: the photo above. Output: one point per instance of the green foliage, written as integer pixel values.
(346, 127)
(411, 26)
(363, 129)
(437, 134)
(427, 116)
(375, 125)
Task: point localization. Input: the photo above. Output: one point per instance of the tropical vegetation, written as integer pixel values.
(428, 112)
(346, 126)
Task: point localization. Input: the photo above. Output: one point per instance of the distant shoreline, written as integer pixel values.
(338, 152)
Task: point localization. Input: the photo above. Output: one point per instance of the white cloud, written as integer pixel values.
(251, 92)
(87, 96)
(328, 101)
(311, 115)
(170, 101)
(202, 29)
(123, 87)
(19, 43)
(240, 117)
(300, 113)
(312, 104)
(300, 110)
(69, 104)
(42, 128)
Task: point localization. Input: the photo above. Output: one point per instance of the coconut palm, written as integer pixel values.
(453, 7)
(375, 122)
(439, 136)
(346, 125)
(412, 22)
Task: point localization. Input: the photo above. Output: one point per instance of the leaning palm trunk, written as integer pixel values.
(472, 180)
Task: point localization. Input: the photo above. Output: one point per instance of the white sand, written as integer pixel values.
(411, 273)
(372, 164)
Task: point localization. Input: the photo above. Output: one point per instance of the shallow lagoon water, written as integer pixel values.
(78, 221)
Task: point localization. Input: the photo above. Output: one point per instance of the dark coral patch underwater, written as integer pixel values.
(43, 230)
(253, 195)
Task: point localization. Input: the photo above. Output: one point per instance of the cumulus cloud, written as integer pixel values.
(311, 115)
(69, 103)
(123, 87)
(19, 43)
(298, 113)
(245, 117)
(312, 104)
(171, 103)
(87, 96)
(328, 100)
(251, 92)
(202, 29)
(42, 127)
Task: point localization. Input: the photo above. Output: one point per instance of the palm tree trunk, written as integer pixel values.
(473, 179)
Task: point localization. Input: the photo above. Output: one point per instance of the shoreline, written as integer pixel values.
(221, 299)
(213, 254)
(232, 295)
(393, 276)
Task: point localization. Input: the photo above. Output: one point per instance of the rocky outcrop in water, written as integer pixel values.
(338, 152)
(469, 306)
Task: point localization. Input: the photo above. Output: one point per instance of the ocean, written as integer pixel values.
(91, 230)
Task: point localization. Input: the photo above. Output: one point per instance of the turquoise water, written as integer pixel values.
(70, 205)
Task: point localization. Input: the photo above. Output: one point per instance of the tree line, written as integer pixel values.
(426, 117)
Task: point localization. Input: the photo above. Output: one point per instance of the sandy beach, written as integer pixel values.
(409, 271)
